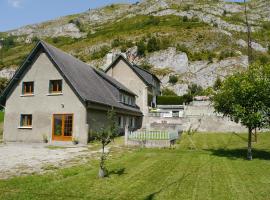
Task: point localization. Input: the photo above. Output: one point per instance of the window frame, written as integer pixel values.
(32, 87)
(51, 87)
(29, 120)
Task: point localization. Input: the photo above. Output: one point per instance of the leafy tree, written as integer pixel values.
(185, 19)
(173, 79)
(105, 136)
(245, 98)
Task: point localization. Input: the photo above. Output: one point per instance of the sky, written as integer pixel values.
(17, 13)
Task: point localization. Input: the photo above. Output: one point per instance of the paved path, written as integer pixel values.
(18, 159)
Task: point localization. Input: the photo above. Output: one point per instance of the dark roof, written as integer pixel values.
(88, 83)
(147, 77)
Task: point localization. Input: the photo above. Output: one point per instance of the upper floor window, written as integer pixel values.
(28, 88)
(55, 86)
(126, 99)
(26, 121)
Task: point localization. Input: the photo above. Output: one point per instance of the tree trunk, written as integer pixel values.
(102, 170)
(249, 151)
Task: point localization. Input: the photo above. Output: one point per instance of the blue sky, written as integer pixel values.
(17, 13)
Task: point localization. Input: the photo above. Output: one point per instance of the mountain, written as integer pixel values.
(195, 41)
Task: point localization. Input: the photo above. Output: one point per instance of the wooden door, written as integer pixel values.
(62, 127)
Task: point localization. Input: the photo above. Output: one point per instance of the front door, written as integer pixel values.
(62, 127)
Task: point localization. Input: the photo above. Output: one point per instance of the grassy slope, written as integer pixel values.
(216, 170)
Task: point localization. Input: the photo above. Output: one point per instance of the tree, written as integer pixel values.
(168, 92)
(105, 136)
(245, 98)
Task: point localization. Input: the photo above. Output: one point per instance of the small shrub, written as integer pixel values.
(116, 43)
(226, 54)
(141, 48)
(146, 66)
(195, 89)
(182, 48)
(173, 79)
(185, 19)
(153, 44)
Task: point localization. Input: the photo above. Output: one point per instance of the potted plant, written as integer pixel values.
(75, 141)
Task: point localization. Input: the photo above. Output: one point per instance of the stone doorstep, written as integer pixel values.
(68, 144)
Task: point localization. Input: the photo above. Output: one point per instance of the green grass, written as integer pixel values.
(215, 170)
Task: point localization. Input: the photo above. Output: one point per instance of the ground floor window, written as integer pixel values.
(26, 120)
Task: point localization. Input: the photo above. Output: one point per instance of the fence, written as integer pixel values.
(151, 138)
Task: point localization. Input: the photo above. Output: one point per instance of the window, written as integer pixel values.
(28, 88)
(26, 120)
(56, 86)
(120, 121)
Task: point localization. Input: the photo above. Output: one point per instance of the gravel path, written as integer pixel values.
(18, 159)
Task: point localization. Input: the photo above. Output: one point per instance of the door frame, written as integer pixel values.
(62, 137)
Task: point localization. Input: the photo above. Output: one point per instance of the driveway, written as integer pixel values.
(18, 159)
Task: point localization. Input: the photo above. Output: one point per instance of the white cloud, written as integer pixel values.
(15, 3)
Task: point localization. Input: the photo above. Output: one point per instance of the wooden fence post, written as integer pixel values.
(126, 135)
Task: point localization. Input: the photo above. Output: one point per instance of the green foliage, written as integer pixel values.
(182, 48)
(266, 26)
(185, 19)
(141, 48)
(170, 100)
(3, 84)
(245, 98)
(100, 53)
(226, 54)
(173, 79)
(195, 90)
(146, 66)
(153, 44)
(218, 83)
(168, 92)
(8, 42)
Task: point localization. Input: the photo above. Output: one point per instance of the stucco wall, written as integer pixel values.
(42, 106)
(122, 73)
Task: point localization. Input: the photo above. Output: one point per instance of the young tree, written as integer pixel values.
(105, 137)
(245, 98)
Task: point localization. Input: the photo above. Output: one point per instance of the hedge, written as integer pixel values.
(170, 100)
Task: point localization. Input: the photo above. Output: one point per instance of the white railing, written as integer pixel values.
(153, 135)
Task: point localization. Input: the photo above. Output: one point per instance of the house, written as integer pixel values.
(143, 83)
(58, 96)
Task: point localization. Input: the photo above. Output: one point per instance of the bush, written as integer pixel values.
(168, 92)
(173, 79)
(195, 89)
(153, 44)
(100, 53)
(170, 100)
(226, 54)
(185, 19)
(146, 66)
(8, 42)
(116, 43)
(141, 48)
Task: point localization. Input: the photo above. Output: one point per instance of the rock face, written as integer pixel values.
(177, 61)
(7, 73)
(70, 30)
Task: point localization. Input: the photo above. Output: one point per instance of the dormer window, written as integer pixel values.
(28, 88)
(126, 99)
(55, 86)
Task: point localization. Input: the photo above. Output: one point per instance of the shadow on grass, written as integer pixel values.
(240, 153)
(118, 172)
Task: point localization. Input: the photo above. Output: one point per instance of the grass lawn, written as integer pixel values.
(216, 169)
